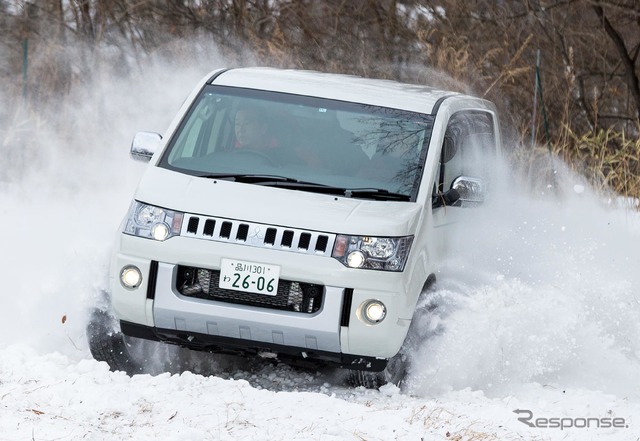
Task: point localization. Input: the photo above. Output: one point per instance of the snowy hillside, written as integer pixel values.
(538, 311)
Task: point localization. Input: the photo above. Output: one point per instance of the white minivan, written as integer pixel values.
(293, 215)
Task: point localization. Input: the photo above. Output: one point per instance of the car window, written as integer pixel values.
(469, 144)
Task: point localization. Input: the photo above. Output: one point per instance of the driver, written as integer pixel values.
(252, 129)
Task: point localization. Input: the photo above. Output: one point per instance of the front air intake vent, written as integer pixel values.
(192, 225)
(305, 239)
(321, 243)
(270, 237)
(209, 227)
(287, 238)
(243, 231)
(258, 235)
(225, 230)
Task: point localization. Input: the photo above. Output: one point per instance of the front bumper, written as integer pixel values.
(242, 347)
(334, 333)
(318, 331)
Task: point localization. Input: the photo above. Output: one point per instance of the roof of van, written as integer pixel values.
(350, 88)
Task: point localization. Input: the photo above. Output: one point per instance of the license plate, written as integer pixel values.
(253, 277)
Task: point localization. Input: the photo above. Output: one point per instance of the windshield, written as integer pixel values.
(236, 133)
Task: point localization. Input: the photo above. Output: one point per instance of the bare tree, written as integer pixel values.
(626, 26)
(590, 72)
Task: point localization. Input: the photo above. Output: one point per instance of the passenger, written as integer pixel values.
(394, 162)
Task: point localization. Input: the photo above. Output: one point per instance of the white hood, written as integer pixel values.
(276, 206)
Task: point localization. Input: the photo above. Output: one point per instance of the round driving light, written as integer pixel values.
(130, 277)
(160, 231)
(355, 259)
(374, 311)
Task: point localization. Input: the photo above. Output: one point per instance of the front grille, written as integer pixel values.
(258, 235)
(295, 296)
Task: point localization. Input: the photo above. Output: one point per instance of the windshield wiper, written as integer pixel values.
(249, 178)
(276, 181)
(379, 194)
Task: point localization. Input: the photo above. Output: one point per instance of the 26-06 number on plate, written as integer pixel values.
(246, 276)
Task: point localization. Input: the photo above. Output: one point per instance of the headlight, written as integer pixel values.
(152, 222)
(378, 253)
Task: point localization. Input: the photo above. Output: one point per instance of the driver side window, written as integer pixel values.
(469, 144)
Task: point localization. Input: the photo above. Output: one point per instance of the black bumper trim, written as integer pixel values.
(153, 277)
(346, 307)
(238, 346)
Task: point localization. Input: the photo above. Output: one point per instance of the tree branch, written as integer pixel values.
(627, 61)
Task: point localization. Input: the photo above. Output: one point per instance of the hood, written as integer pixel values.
(276, 206)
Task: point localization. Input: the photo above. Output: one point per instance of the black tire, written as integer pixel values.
(394, 373)
(108, 344)
(139, 356)
(366, 379)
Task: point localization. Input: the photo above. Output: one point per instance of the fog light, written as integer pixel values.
(355, 259)
(160, 231)
(374, 311)
(130, 277)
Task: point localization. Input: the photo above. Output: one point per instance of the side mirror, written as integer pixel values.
(144, 145)
(448, 198)
(471, 190)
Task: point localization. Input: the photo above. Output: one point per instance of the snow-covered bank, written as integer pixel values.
(45, 397)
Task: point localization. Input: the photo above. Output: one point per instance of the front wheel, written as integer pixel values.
(139, 356)
(108, 344)
(394, 373)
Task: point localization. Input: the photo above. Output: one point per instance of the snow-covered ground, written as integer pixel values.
(539, 312)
